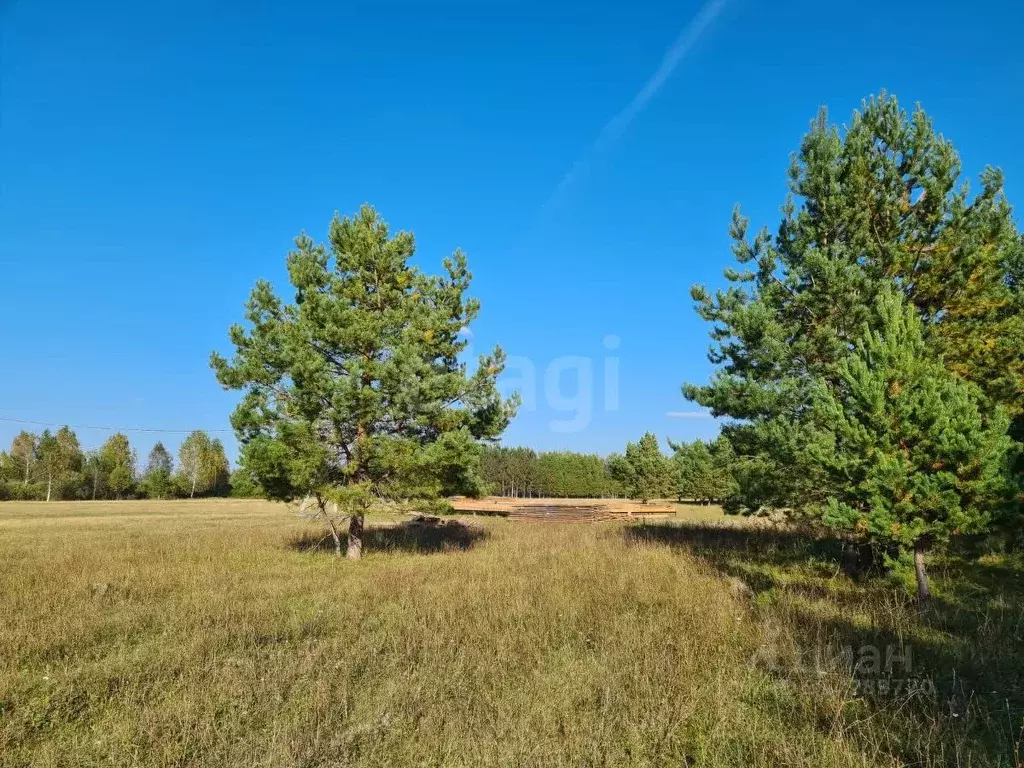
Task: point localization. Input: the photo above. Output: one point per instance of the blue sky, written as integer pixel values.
(157, 158)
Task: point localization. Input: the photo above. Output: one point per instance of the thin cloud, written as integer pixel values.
(688, 415)
(614, 129)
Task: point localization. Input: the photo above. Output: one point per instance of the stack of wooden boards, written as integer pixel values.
(559, 510)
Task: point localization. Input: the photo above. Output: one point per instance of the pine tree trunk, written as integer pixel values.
(355, 537)
(924, 592)
(858, 558)
(850, 560)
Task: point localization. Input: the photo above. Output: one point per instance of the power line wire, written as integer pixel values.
(106, 429)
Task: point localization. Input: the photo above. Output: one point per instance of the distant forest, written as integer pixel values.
(696, 471)
(53, 466)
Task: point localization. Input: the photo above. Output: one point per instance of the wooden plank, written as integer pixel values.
(558, 507)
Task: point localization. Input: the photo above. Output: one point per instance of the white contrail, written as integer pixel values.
(617, 125)
(688, 415)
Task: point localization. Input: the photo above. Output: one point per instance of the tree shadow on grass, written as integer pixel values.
(747, 553)
(945, 687)
(413, 537)
(968, 645)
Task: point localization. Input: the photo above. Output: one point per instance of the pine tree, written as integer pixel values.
(355, 394)
(878, 207)
(521, 472)
(723, 464)
(703, 472)
(644, 471)
(911, 452)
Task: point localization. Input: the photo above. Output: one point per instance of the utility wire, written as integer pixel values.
(106, 429)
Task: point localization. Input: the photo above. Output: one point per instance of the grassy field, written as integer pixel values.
(221, 633)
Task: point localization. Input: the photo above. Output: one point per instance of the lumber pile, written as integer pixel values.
(559, 510)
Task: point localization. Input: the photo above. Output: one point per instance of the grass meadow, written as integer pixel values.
(221, 633)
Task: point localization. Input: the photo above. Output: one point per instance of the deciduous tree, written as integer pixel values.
(156, 480)
(60, 457)
(117, 460)
(24, 453)
(94, 477)
(202, 465)
(244, 485)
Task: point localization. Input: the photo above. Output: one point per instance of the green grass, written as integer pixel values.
(221, 633)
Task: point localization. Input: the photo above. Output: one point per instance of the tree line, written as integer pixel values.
(698, 471)
(524, 473)
(52, 466)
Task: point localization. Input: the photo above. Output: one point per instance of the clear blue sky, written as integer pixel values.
(157, 158)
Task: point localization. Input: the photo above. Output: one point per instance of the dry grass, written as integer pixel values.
(213, 633)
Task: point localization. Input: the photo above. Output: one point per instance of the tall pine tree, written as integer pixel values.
(880, 206)
(354, 392)
(644, 471)
(703, 472)
(912, 454)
